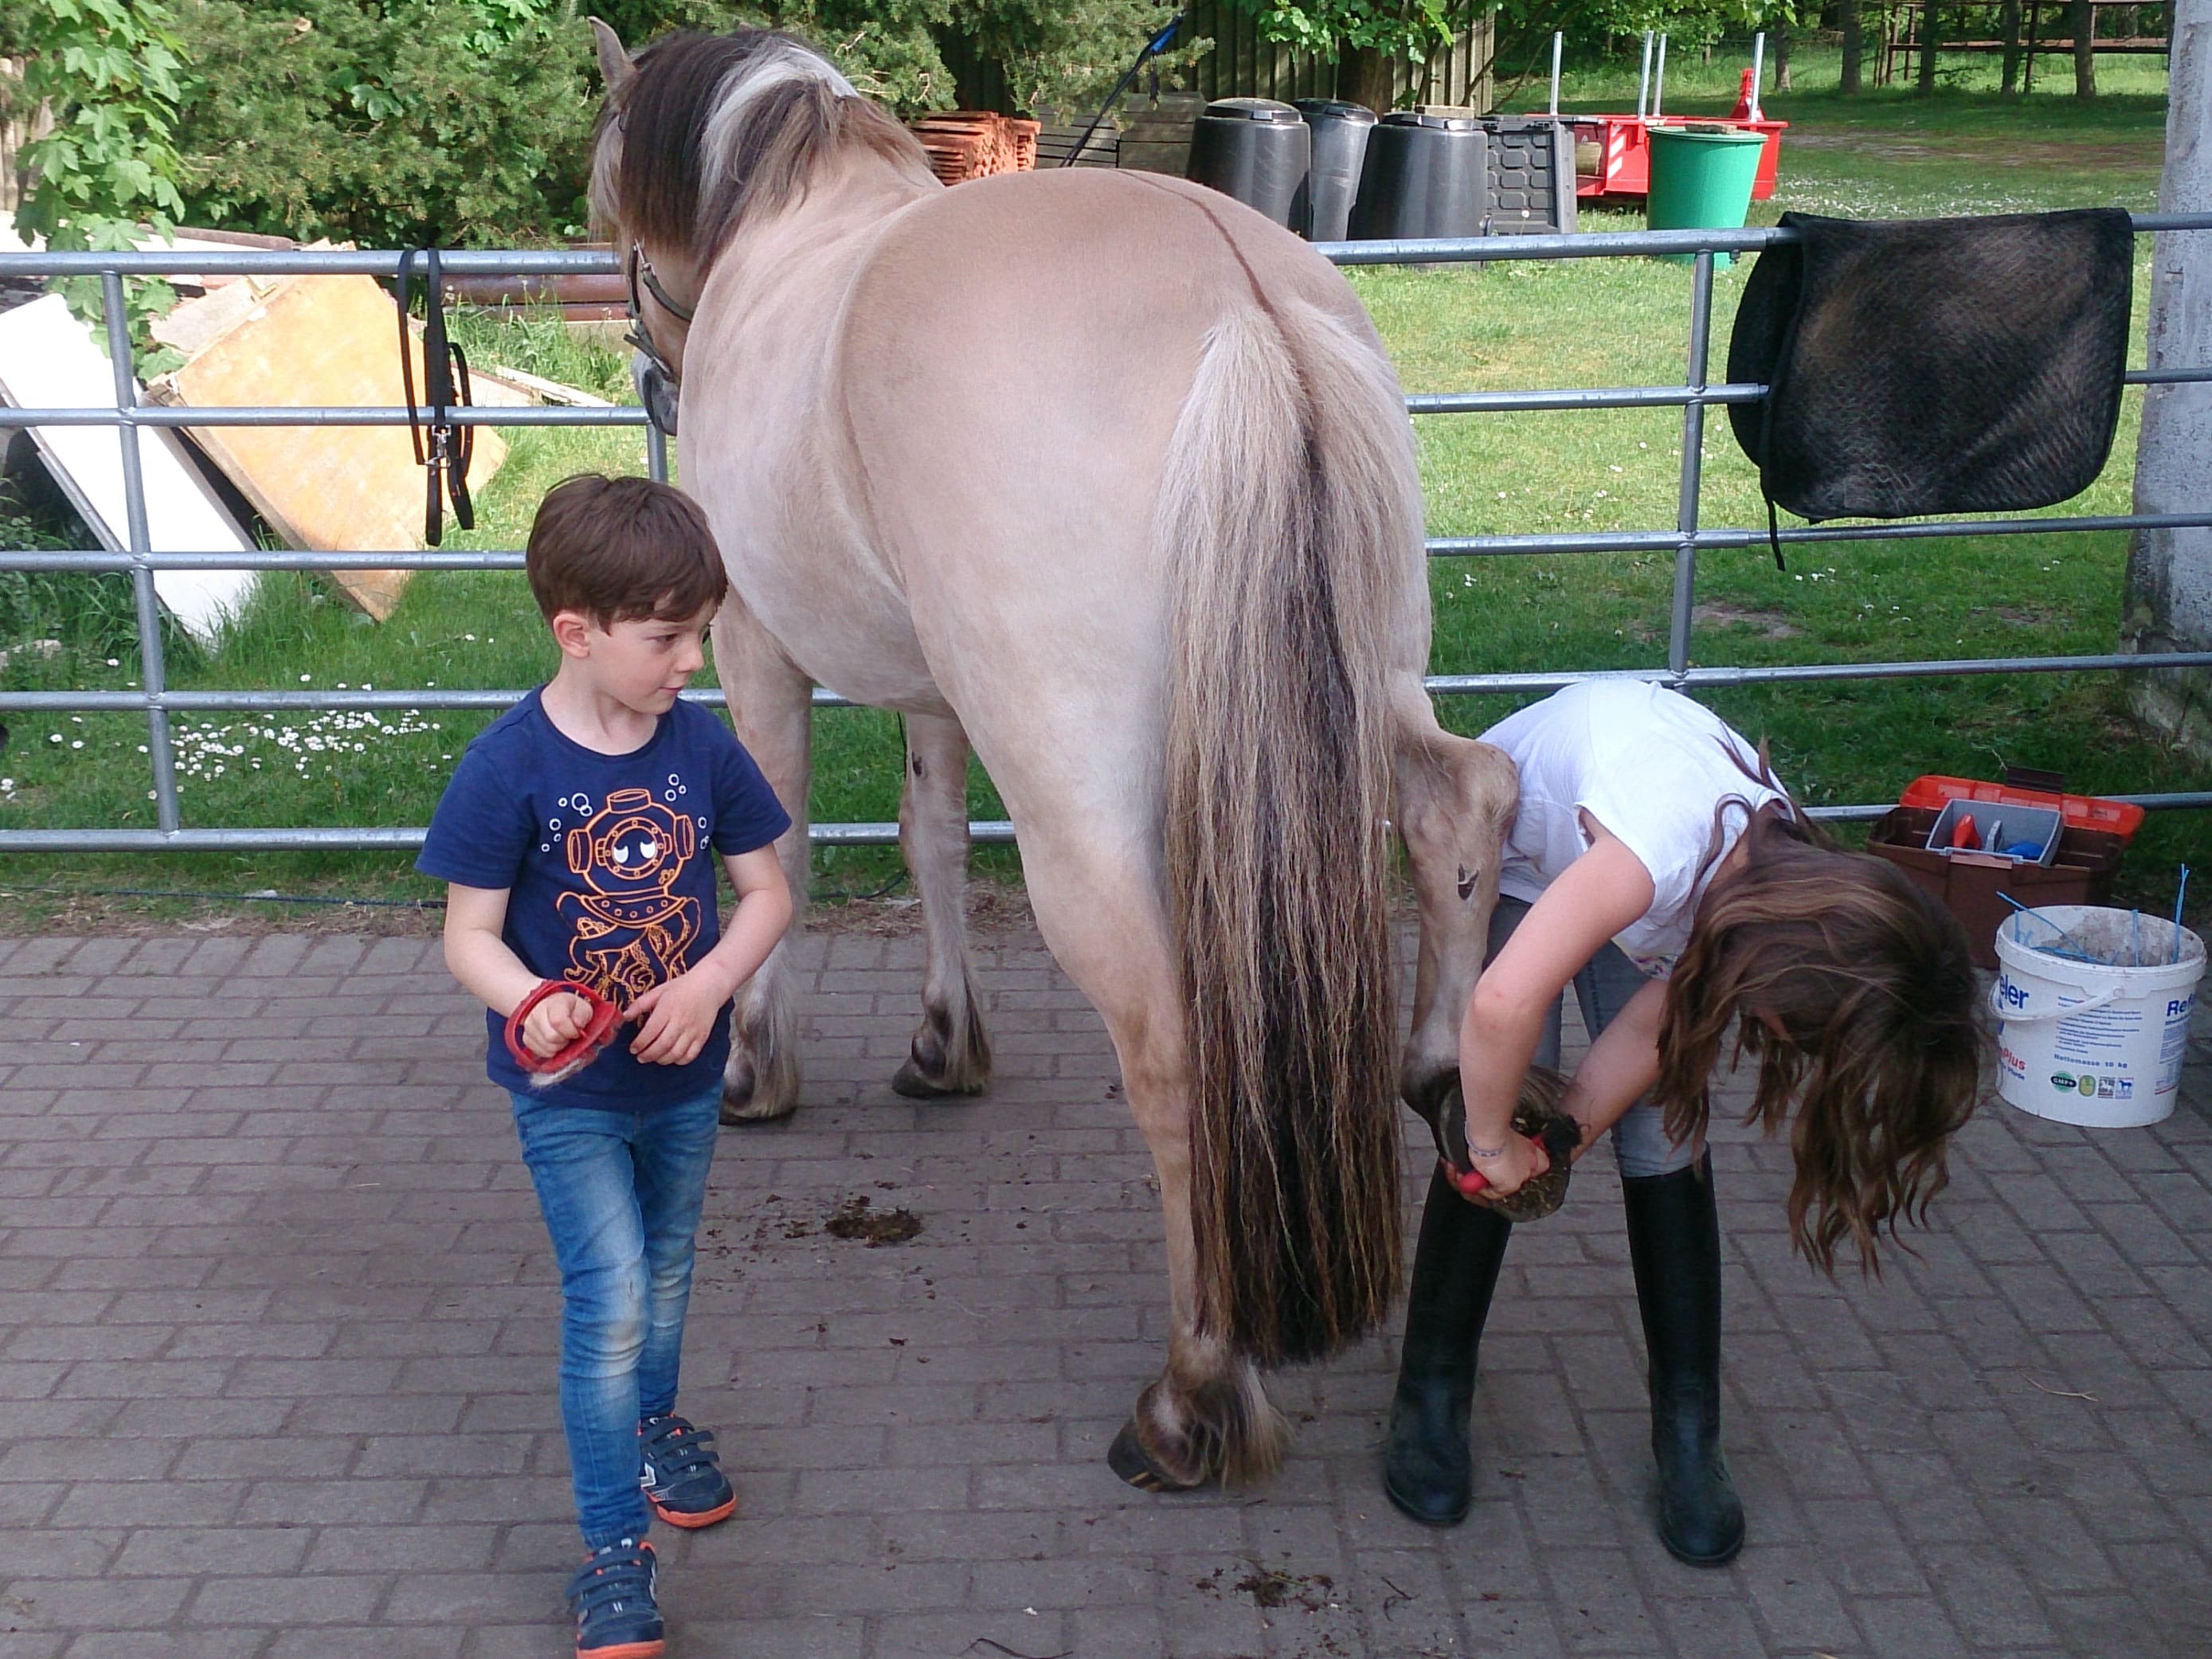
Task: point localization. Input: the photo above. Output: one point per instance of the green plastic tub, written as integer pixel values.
(1701, 179)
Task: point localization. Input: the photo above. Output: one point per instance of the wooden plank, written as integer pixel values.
(322, 340)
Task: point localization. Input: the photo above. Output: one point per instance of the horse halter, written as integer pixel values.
(656, 378)
(443, 446)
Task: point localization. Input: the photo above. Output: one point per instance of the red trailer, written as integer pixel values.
(1619, 168)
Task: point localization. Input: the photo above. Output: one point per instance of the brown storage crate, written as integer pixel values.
(1967, 883)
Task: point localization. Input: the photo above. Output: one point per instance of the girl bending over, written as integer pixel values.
(1657, 866)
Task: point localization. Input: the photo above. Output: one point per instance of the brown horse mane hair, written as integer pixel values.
(716, 130)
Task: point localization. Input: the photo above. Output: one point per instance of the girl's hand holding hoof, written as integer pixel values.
(1498, 1172)
(1526, 1179)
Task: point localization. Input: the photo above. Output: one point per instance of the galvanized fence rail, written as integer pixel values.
(1688, 538)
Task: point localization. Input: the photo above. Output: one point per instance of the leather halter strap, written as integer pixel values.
(646, 273)
(657, 380)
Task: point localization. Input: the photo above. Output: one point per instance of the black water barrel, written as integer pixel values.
(1255, 149)
(1426, 175)
(1339, 149)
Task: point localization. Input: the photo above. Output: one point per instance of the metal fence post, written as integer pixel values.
(656, 454)
(152, 670)
(1693, 448)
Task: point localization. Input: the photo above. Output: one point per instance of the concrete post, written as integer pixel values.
(2169, 581)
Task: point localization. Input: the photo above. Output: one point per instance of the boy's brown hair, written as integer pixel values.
(621, 550)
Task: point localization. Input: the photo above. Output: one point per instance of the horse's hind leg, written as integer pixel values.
(1207, 1418)
(951, 1053)
(771, 707)
(1456, 802)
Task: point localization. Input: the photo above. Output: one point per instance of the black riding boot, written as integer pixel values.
(1426, 1465)
(1674, 1246)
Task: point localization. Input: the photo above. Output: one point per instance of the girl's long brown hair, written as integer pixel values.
(1872, 985)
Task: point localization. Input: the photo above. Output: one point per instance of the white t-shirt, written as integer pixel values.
(1650, 765)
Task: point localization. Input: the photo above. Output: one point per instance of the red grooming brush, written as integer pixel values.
(546, 1070)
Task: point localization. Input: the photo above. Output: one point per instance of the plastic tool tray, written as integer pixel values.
(2077, 869)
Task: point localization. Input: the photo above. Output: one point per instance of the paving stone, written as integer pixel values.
(169, 1645)
(88, 1604)
(287, 1602)
(297, 1296)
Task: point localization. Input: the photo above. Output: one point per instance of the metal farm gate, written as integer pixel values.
(1685, 541)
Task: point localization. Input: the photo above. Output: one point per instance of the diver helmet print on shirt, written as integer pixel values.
(609, 865)
(631, 928)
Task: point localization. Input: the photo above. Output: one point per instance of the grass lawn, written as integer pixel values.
(1573, 323)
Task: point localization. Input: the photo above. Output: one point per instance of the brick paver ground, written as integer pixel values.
(277, 1332)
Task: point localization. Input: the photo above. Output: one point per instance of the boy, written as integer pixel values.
(575, 836)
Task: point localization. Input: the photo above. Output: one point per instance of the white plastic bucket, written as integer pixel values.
(2096, 1043)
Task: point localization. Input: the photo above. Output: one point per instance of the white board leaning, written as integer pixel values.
(50, 360)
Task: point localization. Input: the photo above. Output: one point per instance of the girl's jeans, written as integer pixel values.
(621, 1193)
(1603, 988)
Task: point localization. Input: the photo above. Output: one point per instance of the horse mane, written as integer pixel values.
(714, 130)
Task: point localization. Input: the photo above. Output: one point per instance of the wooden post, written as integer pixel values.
(2169, 605)
(2027, 57)
(2009, 23)
(1374, 79)
(2082, 18)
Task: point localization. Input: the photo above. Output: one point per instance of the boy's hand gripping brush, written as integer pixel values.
(1537, 1115)
(546, 1070)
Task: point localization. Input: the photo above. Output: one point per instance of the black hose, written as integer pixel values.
(1158, 44)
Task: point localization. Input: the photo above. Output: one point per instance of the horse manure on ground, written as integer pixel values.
(1277, 1587)
(858, 1218)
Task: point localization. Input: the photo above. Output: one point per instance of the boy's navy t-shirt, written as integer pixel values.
(608, 861)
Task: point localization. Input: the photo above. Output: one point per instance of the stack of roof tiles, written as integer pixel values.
(966, 144)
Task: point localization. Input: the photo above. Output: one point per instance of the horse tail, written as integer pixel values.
(1289, 505)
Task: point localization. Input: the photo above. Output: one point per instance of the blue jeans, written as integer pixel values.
(620, 1193)
(1603, 989)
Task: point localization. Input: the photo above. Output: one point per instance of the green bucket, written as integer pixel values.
(1701, 179)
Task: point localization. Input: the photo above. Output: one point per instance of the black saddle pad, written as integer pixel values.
(1935, 366)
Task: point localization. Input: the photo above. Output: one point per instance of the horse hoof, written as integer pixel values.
(753, 1111)
(917, 1084)
(1127, 1458)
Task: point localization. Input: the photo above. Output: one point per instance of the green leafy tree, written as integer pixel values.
(1066, 55)
(1366, 35)
(1054, 54)
(388, 122)
(110, 73)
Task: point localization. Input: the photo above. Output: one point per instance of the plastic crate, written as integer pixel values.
(1532, 175)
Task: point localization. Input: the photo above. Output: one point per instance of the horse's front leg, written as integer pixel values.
(771, 707)
(1456, 802)
(951, 1053)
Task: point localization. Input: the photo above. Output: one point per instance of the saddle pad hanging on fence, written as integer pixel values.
(1934, 366)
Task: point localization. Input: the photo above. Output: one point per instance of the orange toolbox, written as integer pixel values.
(2094, 833)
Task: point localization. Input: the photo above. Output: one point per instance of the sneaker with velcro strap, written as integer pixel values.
(612, 1597)
(682, 1476)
